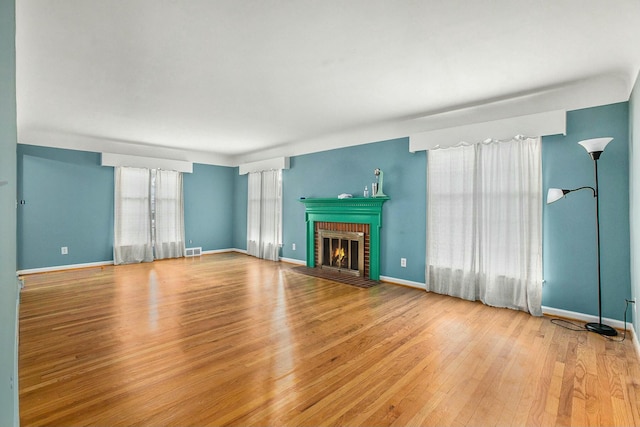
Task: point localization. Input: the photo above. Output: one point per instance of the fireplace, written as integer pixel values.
(351, 226)
(336, 233)
(341, 251)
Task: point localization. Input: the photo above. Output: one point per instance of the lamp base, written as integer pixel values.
(602, 329)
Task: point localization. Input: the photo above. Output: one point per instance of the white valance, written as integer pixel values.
(532, 125)
(125, 160)
(265, 165)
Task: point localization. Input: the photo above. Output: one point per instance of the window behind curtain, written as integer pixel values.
(484, 223)
(168, 215)
(149, 215)
(264, 214)
(254, 197)
(132, 216)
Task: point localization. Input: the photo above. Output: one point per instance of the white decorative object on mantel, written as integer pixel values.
(345, 196)
(379, 180)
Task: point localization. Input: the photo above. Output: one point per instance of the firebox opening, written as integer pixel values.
(342, 251)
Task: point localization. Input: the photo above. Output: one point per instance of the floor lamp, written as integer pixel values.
(594, 147)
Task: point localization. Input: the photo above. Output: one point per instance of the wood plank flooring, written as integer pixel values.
(227, 339)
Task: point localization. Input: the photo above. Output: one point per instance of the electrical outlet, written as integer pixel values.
(403, 262)
(293, 246)
(64, 250)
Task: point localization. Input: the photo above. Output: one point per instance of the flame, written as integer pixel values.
(339, 255)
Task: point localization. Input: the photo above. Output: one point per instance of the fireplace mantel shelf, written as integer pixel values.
(345, 200)
(366, 210)
(350, 206)
(362, 210)
(350, 201)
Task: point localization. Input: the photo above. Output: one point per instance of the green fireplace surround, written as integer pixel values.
(355, 210)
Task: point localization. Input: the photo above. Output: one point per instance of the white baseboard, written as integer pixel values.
(584, 317)
(63, 267)
(403, 282)
(221, 251)
(294, 261)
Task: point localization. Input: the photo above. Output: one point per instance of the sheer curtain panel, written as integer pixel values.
(169, 215)
(484, 223)
(264, 214)
(271, 215)
(132, 219)
(254, 192)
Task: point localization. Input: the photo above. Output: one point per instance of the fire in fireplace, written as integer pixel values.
(341, 251)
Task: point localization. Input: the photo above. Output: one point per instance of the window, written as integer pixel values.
(264, 214)
(484, 223)
(148, 219)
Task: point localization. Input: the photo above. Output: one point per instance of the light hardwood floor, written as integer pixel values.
(228, 339)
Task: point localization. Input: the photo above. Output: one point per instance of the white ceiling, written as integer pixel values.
(236, 80)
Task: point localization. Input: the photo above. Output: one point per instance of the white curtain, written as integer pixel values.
(484, 223)
(132, 219)
(264, 214)
(169, 215)
(254, 192)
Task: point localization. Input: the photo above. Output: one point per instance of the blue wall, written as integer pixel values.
(208, 207)
(349, 170)
(69, 202)
(569, 225)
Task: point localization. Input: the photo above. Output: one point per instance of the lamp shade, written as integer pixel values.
(555, 194)
(595, 145)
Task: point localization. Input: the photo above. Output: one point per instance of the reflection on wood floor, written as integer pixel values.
(227, 339)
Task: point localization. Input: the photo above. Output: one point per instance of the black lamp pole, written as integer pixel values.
(599, 327)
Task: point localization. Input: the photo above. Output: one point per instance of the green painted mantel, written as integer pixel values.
(357, 210)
